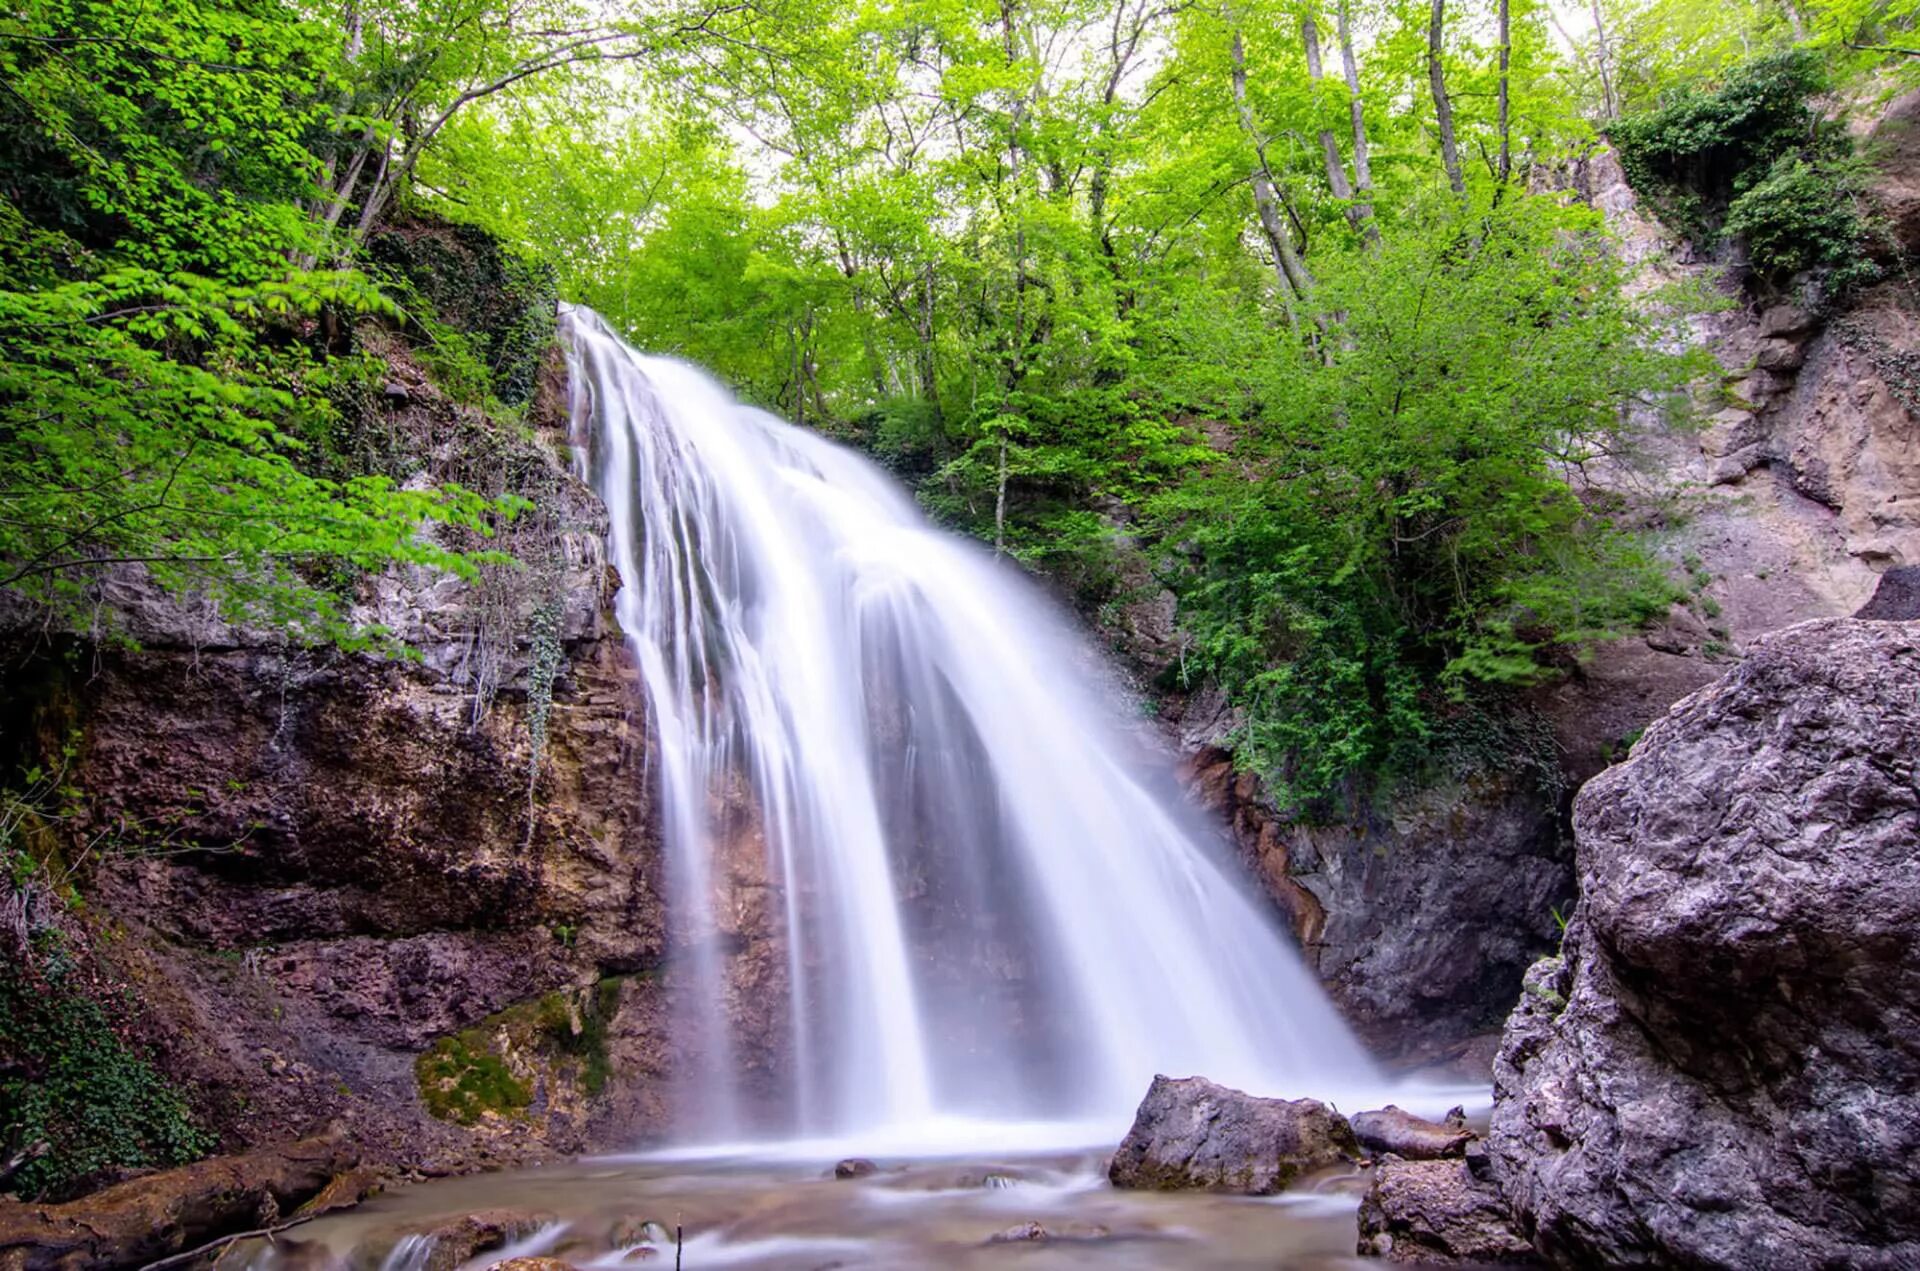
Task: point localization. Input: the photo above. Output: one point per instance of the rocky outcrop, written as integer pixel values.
(158, 1215)
(1419, 920)
(1720, 1069)
(416, 895)
(1192, 1134)
(1436, 1213)
(1897, 598)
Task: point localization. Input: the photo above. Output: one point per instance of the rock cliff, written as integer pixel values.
(1719, 1069)
(418, 895)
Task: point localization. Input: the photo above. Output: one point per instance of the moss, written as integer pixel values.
(466, 1075)
(462, 1079)
(578, 1030)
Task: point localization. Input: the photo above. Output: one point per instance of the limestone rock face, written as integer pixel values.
(343, 886)
(1723, 1067)
(1420, 923)
(1436, 1213)
(1192, 1134)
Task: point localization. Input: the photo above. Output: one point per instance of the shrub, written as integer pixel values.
(1715, 144)
(1752, 160)
(73, 1083)
(1803, 216)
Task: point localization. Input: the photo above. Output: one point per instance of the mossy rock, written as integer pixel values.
(462, 1079)
(563, 1034)
(478, 287)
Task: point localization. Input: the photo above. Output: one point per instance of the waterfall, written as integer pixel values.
(992, 907)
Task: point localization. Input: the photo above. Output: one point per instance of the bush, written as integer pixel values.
(1802, 216)
(1714, 145)
(1398, 530)
(1752, 160)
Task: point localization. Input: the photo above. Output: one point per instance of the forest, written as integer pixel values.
(1295, 302)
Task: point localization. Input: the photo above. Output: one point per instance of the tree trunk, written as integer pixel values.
(1329, 147)
(1605, 60)
(1293, 274)
(1442, 105)
(1362, 160)
(929, 376)
(1000, 500)
(1505, 164)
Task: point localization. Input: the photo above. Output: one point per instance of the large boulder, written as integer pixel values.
(1723, 1067)
(1436, 1213)
(1190, 1133)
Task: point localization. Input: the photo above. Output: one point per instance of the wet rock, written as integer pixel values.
(1191, 1133)
(855, 1167)
(534, 1264)
(1022, 1232)
(460, 1241)
(1722, 1069)
(628, 1232)
(150, 1217)
(1403, 1134)
(1419, 923)
(1436, 1213)
(1897, 598)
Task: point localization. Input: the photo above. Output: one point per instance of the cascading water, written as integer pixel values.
(989, 912)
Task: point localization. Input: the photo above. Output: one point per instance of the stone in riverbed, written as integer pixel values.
(1415, 1138)
(1192, 1134)
(1437, 1213)
(458, 1242)
(855, 1167)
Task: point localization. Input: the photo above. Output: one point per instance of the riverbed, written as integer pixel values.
(1030, 1211)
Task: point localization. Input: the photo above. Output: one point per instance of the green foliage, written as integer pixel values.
(69, 1080)
(1802, 215)
(1751, 159)
(1712, 142)
(146, 421)
(1412, 532)
(461, 1079)
(166, 363)
(475, 288)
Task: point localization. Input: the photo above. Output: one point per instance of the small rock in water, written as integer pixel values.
(1191, 1133)
(627, 1232)
(855, 1167)
(534, 1264)
(1025, 1231)
(1393, 1130)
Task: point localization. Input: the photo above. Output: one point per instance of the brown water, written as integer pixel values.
(796, 1217)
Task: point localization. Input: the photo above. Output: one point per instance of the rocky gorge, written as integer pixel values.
(1712, 1063)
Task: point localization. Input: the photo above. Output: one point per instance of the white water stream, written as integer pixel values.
(996, 909)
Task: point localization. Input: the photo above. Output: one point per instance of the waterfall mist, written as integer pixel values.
(992, 908)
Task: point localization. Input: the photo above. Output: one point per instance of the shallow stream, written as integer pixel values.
(795, 1215)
